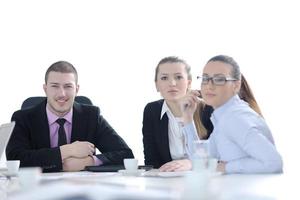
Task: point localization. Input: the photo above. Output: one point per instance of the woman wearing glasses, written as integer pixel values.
(241, 140)
(165, 142)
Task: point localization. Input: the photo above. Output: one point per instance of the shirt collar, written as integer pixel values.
(218, 112)
(164, 109)
(53, 117)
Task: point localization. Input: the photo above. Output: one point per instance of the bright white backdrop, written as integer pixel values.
(115, 46)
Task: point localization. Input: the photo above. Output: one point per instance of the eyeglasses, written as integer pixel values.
(216, 80)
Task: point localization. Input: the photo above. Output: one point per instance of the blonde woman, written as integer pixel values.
(166, 145)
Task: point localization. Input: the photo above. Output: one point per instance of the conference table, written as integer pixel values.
(183, 185)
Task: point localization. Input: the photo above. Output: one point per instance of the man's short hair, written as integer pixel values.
(63, 67)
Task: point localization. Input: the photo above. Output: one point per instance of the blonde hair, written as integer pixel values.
(173, 59)
(201, 130)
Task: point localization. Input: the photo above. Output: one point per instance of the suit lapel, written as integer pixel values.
(41, 126)
(164, 130)
(163, 135)
(78, 124)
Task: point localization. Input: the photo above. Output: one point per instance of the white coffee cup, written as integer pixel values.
(12, 166)
(29, 177)
(130, 164)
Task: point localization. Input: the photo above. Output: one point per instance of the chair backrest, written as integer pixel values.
(32, 101)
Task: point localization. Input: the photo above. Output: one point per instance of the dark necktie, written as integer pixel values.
(61, 132)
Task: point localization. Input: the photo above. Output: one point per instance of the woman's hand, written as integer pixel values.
(176, 165)
(221, 166)
(188, 105)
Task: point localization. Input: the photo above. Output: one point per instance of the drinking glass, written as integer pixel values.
(200, 155)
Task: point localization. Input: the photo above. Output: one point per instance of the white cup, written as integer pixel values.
(29, 177)
(12, 166)
(130, 164)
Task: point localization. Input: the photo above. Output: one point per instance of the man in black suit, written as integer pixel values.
(60, 134)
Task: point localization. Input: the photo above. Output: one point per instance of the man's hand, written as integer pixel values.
(176, 165)
(76, 164)
(77, 149)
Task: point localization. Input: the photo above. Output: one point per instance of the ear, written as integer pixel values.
(189, 84)
(77, 89)
(45, 88)
(237, 86)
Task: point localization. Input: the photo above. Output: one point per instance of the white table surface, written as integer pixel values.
(116, 186)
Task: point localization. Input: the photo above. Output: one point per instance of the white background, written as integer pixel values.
(115, 46)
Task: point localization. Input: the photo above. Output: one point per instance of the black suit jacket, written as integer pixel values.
(30, 140)
(155, 133)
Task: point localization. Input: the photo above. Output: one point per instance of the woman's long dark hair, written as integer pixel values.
(246, 94)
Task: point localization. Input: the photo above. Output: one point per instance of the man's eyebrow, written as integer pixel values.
(54, 83)
(68, 84)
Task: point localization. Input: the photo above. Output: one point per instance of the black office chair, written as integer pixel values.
(32, 101)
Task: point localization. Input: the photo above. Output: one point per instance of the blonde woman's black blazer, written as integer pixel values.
(155, 133)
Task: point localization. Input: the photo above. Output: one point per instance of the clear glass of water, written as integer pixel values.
(200, 155)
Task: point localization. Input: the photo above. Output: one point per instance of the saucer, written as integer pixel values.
(157, 173)
(8, 174)
(172, 174)
(3, 169)
(216, 173)
(125, 172)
